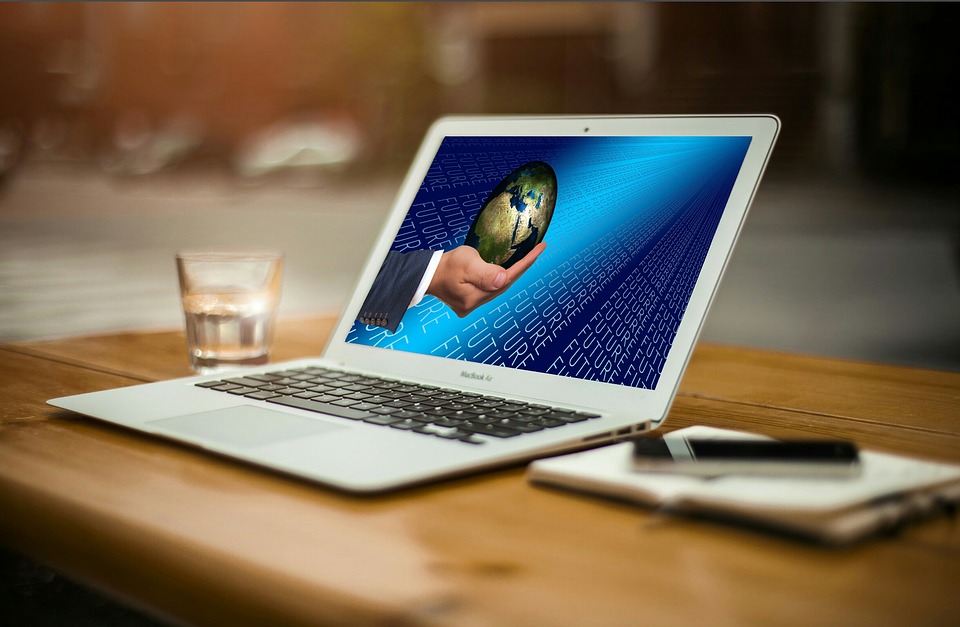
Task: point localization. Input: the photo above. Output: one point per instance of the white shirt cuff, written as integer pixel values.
(427, 277)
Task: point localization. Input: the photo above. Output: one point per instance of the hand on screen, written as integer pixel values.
(464, 281)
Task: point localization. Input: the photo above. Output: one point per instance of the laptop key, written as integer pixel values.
(462, 436)
(403, 413)
(482, 419)
(537, 410)
(266, 378)
(357, 396)
(407, 425)
(448, 422)
(261, 396)
(323, 408)
(225, 387)
(527, 418)
(522, 427)
(547, 422)
(245, 382)
(491, 430)
(565, 416)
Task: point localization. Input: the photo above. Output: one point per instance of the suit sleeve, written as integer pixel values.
(392, 290)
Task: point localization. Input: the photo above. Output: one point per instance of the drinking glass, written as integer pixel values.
(230, 300)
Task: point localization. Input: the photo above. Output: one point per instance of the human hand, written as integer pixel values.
(464, 281)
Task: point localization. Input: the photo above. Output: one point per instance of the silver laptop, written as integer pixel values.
(538, 286)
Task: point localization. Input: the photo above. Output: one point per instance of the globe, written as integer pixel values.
(515, 216)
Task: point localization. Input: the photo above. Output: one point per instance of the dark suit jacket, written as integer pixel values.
(395, 285)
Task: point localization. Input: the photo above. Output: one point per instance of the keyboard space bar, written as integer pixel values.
(323, 408)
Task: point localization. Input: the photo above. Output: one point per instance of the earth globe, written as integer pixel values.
(515, 216)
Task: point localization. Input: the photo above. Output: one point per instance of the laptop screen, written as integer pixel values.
(627, 223)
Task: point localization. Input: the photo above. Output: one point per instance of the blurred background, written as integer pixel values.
(128, 130)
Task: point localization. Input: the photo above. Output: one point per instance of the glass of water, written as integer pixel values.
(230, 299)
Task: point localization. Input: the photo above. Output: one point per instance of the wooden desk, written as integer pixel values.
(202, 539)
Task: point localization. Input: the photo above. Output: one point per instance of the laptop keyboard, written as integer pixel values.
(429, 410)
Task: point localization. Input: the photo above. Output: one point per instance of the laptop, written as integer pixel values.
(607, 238)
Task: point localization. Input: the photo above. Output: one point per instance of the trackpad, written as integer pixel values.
(243, 426)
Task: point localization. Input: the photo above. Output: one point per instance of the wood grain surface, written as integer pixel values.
(201, 539)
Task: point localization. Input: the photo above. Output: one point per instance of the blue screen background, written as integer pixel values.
(633, 221)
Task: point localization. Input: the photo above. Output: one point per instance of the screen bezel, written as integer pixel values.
(630, 404)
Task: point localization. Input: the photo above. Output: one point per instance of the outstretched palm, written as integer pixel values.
(464, 281)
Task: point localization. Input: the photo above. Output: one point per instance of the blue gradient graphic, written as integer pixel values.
(632, 225)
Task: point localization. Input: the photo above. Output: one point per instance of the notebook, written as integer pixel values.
(891, 491)
(612, 234)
